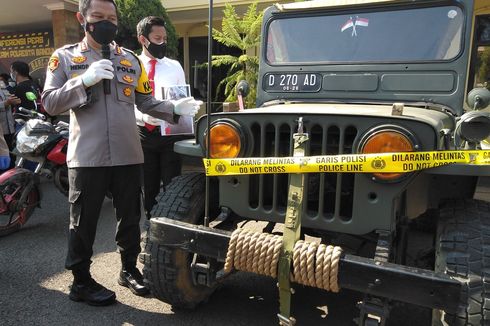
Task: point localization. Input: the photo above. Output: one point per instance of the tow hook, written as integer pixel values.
(204, 271)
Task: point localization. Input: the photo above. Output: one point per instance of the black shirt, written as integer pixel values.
(20, 91)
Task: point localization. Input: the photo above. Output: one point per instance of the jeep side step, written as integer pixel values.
(397, 282)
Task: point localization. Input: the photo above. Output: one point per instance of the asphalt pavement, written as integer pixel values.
(34, 284)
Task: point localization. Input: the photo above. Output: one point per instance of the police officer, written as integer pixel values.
(104, 150)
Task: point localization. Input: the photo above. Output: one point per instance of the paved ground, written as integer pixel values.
(34, 285)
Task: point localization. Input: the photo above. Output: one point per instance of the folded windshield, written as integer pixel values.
(409, 35)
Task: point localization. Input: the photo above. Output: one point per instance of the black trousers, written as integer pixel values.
(161, 163)
(88, 188)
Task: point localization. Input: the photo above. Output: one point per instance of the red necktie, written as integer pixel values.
(151, 77)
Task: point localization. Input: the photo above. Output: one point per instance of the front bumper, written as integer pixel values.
(397, 282)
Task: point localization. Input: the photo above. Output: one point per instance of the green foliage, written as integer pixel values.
(131, 12)
(484, 70)
(242, 33)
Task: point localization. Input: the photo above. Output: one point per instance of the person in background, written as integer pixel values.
(5, 100)
(4, 153)
(161, 162)
(7, 122)
(19, 72)
(4, 79)
(10, 84)
(104, 150)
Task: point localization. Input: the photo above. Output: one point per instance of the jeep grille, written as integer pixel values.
(328, 195)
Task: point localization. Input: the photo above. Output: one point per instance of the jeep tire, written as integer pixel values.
(463, 252)
(167, 270)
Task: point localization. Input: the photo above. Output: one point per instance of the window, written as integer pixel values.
(422, 34)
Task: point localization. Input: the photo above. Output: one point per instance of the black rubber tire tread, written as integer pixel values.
(167, 270)
(61, 180)
(16, 225)
(11, 228)
(463, 251)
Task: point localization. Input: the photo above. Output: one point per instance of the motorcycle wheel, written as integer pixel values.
(61, 179)
(13, 221)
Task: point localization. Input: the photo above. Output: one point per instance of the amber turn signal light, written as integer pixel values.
(225, 141)
(387, 141)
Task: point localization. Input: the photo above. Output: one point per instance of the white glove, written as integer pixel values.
(151, 120)
(97, 71)
(186, 106)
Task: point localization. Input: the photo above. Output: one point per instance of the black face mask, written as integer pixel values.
(103, 32)
(159, 51)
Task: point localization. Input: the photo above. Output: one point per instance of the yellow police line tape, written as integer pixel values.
(353, 163)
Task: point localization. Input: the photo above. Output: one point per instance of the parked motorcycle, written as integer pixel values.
(37, 141)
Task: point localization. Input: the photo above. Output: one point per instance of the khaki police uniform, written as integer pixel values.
(93, 114)
(104, 150)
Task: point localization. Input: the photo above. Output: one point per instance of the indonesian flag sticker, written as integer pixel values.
(362, 22)
(352, 23)
(347, 25)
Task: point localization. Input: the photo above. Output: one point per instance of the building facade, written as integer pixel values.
(30, 30)
(190, 19)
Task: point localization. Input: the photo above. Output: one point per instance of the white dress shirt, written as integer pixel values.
(168, 72)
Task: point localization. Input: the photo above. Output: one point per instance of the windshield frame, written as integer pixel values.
(362, 11)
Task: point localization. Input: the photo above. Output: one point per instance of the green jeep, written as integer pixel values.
(344, 77)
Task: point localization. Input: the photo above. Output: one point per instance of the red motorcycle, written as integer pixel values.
(41, 142)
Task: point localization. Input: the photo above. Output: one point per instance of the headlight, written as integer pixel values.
(387, 140)
(226, 140)
(473, 126)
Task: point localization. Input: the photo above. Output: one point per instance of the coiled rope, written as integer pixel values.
(314, 264)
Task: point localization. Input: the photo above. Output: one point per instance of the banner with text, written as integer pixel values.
(34, 48)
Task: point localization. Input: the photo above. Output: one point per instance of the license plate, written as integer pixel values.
(291, 82)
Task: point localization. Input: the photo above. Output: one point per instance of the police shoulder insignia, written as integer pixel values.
(126, 63)
(128, 78)
(53, 63)
(147, 87)
(127, 91)
(80, 59)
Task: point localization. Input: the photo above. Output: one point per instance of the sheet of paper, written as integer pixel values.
(186, 123)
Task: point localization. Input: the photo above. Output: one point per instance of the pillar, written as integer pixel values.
(66, 28)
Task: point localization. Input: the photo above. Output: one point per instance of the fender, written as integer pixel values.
(20, 175)
(58, 153)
